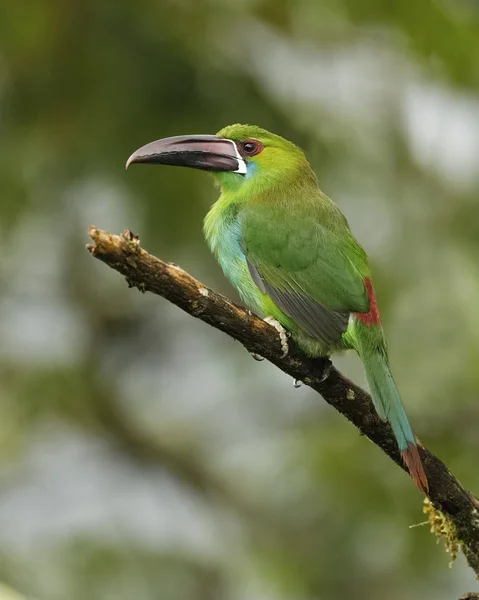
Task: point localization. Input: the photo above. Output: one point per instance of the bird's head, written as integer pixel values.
(239, 156)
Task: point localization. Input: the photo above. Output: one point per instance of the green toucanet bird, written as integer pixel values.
(288, 250)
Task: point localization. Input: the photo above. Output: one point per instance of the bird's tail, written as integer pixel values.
(389, 407)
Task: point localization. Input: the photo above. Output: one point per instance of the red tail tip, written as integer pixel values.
(412, 460)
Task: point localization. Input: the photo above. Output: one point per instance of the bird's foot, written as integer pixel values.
(283, 334)
(326, 367)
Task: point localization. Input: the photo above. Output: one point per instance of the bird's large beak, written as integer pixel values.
(206, 152)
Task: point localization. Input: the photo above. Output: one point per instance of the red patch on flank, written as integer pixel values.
(372, 317)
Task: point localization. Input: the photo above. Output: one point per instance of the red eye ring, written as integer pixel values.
(250, 147)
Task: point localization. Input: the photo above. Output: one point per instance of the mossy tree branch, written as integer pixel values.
(454, 504)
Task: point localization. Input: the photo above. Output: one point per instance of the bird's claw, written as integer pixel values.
(257, 357)
(326, 370)
(283, 334)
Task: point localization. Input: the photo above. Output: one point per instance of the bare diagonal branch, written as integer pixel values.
(146, 272)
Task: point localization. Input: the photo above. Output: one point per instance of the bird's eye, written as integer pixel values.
(251, 147)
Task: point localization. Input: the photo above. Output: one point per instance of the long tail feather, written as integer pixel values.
(389, 407)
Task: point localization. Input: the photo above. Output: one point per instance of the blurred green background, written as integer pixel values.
(142, 454)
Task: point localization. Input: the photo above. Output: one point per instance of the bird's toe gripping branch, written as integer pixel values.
(327, 366)
(283, 334)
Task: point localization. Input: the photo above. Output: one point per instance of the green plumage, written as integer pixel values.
(289, 251)
(281, 241)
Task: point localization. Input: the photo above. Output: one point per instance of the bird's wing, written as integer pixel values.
(314, 272)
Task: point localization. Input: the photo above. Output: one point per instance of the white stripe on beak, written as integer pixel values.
(242, 169)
